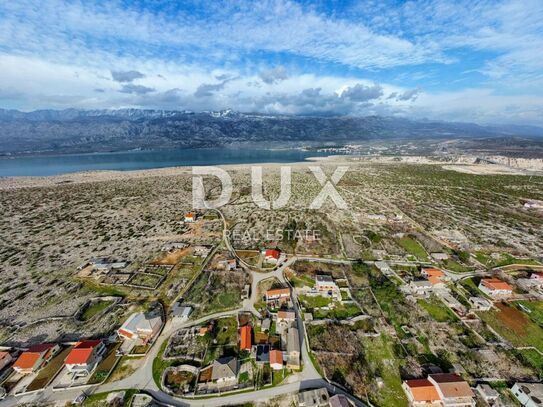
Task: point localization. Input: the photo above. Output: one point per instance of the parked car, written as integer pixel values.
(79, 399)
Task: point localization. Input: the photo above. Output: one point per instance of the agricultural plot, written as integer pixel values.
(514, 325)
(215, 291)
(324, 307)
(358, 362)
(224, 339)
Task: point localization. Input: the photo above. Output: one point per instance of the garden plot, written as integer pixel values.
(215, 291)
(358, 362)
(186, 344)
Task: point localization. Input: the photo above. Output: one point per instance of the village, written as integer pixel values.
(388, 315)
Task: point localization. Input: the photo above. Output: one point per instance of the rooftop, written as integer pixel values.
(495, 284)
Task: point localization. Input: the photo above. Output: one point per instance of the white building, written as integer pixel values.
(325, 284)
(141, 326)
(495, 287)
(480, 304)
(528, 394)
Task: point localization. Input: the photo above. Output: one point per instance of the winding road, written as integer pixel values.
(142, 378)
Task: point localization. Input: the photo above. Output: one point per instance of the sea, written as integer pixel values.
(44, 165)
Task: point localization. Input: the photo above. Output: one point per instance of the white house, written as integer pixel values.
(141, 326)
(84, 357)
(325, 284)
(495, 287)
(225, 371)
(528, 394)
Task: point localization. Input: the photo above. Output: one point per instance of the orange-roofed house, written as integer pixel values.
(271, 255)
(190, 217)
(276, 360)
(421, 392)
(245, 338)
(495, 287)
(35, 357)
(433, 275)
(5, 359)
(84, 357)
(278, 294)
(453, 390)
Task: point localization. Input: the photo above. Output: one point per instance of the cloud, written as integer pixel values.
(409, 95)
(137, 89)
(361, 93)
(126, 76)
(208, 89)
(274, 75)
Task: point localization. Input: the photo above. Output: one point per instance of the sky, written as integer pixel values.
(475, 61)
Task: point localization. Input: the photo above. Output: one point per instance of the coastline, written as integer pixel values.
(16, 182)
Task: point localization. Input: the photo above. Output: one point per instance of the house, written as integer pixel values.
(293, 348)
(286, 316)
(228, 264)
(142, 326)
(421, 288)
(276, 359)
(84, 357)
(480, 304)
(439, 256)
(495, 287)
(314, 398)
(325, 284)
(421, 392)
(339, 400)
(537, 276)
(181, 312)
(262, 354)
(245, 338)
(528, 394)
(190, 217)
(452, 390)
(278, 294)
(271, 256)
(35, 357)
(487, 393)
(5, 359)
(205, 330)
(433, 275)
(225, 370)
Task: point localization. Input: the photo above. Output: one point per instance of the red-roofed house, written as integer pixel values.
(537, 276)
(190, 217)
(278, 294)
(276, 360)
(433, 275)
(35, 357)
(84, 357)
(271, 255)
(245, 338)
(495, 287)
(5, 358)
(421, 392)
(453, 390)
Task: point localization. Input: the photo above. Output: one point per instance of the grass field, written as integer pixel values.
(413, 247)
(537, 311)
(514, 325)
(94, 309)
(533, 358)
(383, 363)
(439, 311)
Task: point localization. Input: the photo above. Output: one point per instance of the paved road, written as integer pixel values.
(142, 378)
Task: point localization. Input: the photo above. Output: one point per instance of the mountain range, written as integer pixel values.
(78, 131)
